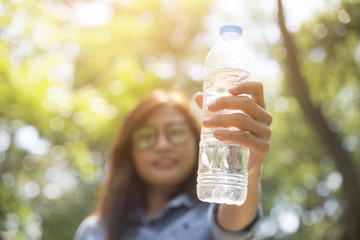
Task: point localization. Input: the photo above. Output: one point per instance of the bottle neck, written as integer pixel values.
(230, 36)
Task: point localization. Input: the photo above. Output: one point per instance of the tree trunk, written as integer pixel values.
(331, 140)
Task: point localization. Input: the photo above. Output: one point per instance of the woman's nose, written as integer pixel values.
(162, 142)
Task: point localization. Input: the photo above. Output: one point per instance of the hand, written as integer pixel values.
(253, 124)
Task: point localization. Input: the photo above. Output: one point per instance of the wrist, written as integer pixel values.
(254, 175)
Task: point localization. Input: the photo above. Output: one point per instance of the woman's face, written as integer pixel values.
(164, 148)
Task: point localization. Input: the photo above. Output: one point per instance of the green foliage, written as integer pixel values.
(65, 89)
(298, 166)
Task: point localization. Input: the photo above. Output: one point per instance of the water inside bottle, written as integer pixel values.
(222, 174)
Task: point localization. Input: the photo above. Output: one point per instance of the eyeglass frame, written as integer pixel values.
(164, 130)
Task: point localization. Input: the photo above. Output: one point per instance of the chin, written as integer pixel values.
(167, 181)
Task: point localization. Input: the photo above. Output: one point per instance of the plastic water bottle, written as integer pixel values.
(223, 167)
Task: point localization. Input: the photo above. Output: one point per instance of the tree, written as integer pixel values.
(68, 76)
(69, 73)
(344, 161)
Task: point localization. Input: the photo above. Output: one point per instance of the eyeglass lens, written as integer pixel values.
(146, 137)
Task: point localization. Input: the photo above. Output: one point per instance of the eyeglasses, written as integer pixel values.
(145, 138)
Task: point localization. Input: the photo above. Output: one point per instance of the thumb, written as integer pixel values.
(199, 99)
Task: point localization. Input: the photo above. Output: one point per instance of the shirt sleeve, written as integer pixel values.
(249, 233)
(90, 229)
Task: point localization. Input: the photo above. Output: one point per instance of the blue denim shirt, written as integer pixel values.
(181, 219)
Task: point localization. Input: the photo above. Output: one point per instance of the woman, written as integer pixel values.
(150, 192)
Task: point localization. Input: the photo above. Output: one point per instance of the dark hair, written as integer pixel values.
(122, 193)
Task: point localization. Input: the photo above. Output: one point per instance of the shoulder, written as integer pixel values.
(91, 228)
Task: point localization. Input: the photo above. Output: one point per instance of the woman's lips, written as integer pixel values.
(165, 164)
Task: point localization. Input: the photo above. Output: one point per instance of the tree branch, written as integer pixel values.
(331, 140)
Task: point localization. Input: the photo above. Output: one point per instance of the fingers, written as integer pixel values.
(252, 88)
(244, 104)
(252, 134)
(240, 121)
(251, 119)
(245, 139)
(254, 105)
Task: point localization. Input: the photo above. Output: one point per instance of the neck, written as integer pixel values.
(156, 199)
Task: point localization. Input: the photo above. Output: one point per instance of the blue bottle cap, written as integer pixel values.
(231, 28)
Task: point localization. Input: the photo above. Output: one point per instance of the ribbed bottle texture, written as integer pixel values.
(222, 174)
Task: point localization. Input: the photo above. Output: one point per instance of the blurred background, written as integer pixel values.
(71, 70)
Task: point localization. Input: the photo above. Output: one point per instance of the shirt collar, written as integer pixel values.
(183, 199)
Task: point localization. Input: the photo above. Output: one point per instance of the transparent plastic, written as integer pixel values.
(222, 173)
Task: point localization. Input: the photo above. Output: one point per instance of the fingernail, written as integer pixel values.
(219, 133)
(212, 105)
(206, 121)
(232, 89)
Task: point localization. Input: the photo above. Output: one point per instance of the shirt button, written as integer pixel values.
(186, 225)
